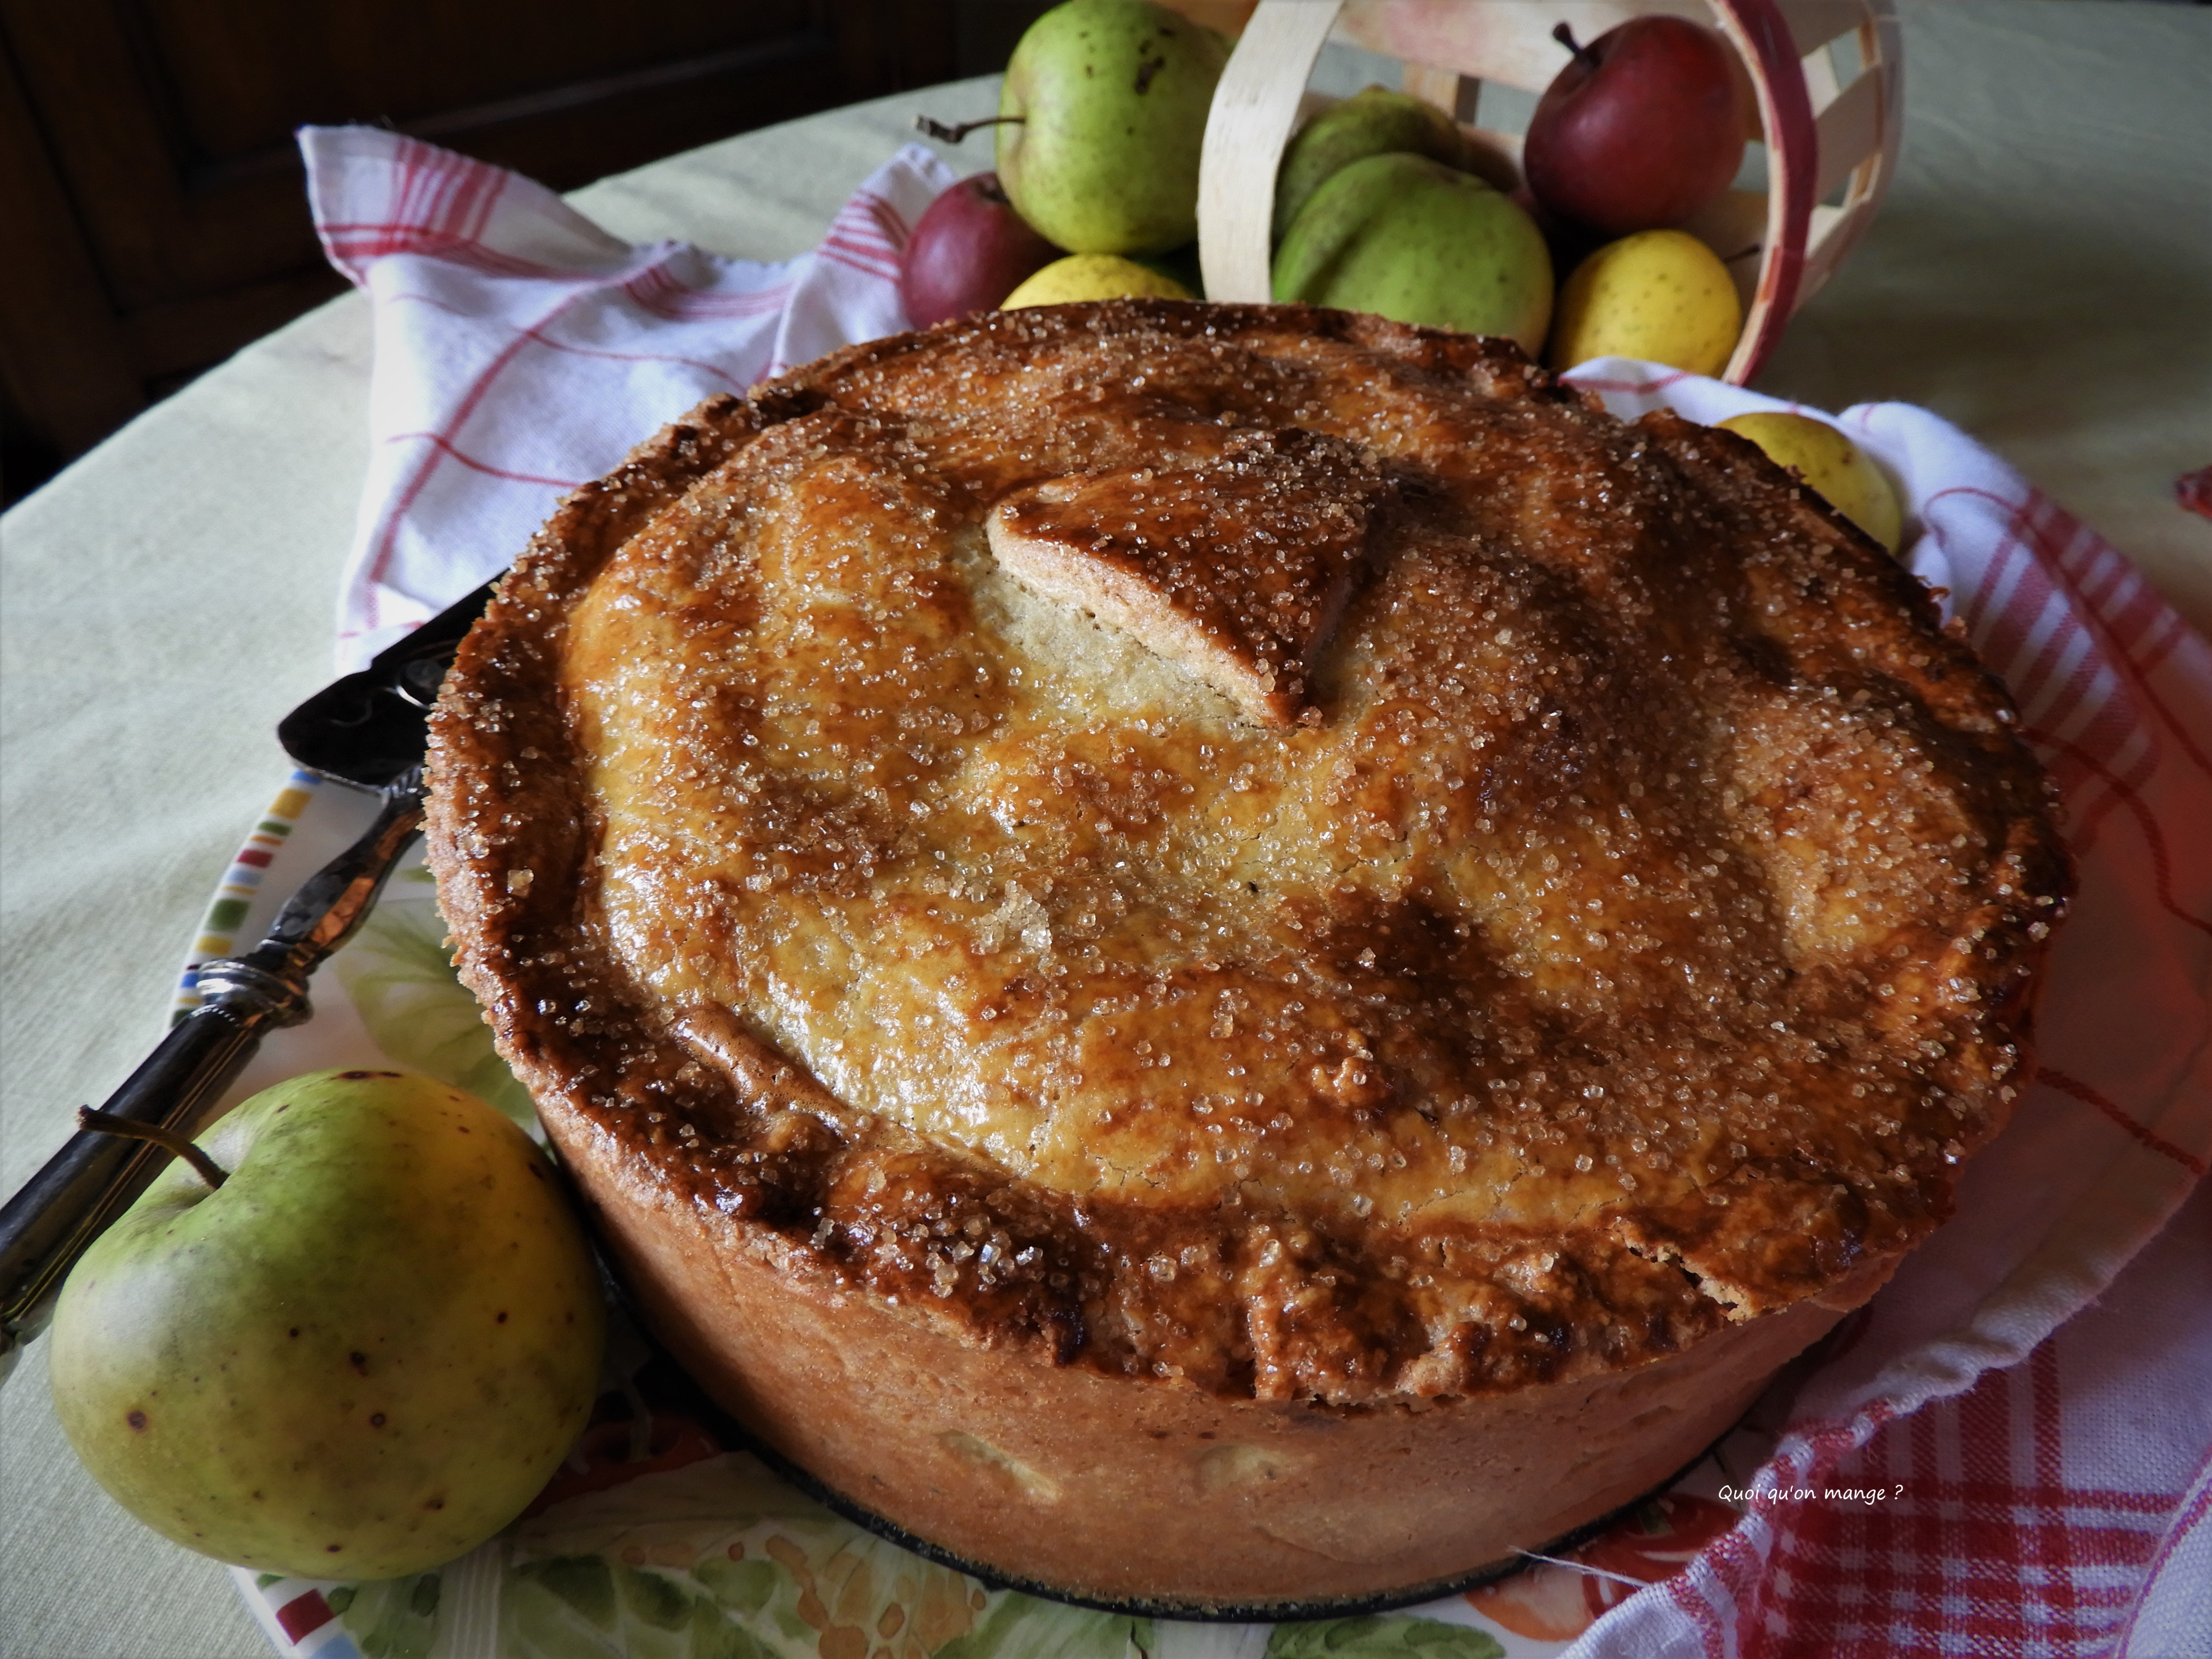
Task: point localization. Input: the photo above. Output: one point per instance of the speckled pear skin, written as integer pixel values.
(360, 1358)
(1409, 239)
(1112, 96)
(1374, 121)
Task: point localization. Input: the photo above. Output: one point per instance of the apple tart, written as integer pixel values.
(1230, 957)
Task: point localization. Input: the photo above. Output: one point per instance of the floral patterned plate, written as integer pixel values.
(662, 1536)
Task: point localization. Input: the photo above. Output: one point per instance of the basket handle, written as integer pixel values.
(1760, 35)
(1254, 104)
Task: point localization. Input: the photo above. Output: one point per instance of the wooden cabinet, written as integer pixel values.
(155, 209)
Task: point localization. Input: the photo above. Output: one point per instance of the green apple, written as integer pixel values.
(360, 1356)
(1372, 122)
(1411, 239)
(1107, 101)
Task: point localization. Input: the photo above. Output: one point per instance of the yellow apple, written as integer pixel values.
(1662, 295)
(1832, 463)
(1093, 277)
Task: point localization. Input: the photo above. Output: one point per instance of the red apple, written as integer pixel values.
(1644, 126)
(969, 251)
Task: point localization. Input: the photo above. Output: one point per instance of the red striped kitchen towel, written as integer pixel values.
(521, 351)
(2042, 1494)
(2050, 1498)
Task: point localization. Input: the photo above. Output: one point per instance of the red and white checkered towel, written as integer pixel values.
(2053, 1502)
(2048, 1493)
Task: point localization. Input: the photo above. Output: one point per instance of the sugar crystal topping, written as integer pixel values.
(1635, 920)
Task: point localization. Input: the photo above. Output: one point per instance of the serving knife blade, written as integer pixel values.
(369, 730)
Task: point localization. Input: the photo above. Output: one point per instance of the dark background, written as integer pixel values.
(154, 210)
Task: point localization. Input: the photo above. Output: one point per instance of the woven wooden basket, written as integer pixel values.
(1828, 76)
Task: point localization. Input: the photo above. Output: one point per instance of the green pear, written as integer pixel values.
(1410, 239)
(1110, 98)
(360, 1356)
(1372, 122)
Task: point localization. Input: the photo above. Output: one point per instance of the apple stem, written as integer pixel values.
(952, 135)
(106, 1123)
(1566, 36)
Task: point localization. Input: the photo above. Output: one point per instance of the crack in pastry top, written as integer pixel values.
(1618, 924)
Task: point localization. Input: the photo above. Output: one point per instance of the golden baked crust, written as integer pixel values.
(1601, 910)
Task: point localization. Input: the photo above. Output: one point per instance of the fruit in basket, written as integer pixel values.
(1569, 243)
(1662, 295)
(1372, 122)
(1644, 126)
(1410, 239)
(360, 1356)
(1831, 462)
(1082, 276)
(969, 251)
(1107, 100)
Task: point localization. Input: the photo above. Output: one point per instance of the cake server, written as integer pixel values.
(368, 730)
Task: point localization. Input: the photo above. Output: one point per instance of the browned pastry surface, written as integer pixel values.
(1630, 937)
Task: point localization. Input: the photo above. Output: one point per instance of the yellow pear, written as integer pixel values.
(1662, 295)
(1093, 277)
(1832, 463)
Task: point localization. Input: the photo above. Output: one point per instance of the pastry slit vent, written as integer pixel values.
(1730, 1299)
(1237, 570)
(763, 1079)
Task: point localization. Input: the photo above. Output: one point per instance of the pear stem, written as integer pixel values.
(106, 1123)
(952, 135)
(1566, 36)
